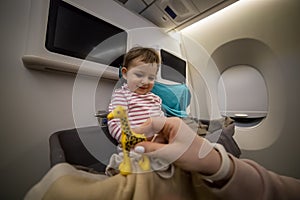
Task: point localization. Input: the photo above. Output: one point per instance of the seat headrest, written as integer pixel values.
(175, 98)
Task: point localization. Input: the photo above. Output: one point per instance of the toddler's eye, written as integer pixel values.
(151, 78)
(139, 75)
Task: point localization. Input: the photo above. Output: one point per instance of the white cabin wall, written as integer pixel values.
(274, 23)
(35, 104)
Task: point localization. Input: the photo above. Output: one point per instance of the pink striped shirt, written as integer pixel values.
(139, 108)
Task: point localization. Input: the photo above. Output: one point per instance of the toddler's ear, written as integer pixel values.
(124, 73)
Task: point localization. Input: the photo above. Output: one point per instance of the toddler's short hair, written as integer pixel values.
(145, 54)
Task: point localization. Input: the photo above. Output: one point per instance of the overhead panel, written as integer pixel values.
(178, 11)
(148, 2)
(136, 6)
(156, 16)
(203, 6)
(175, 14)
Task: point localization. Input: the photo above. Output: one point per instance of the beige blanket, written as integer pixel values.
(249, 181)
(63, 181)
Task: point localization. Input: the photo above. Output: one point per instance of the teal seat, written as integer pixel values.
(175, 98)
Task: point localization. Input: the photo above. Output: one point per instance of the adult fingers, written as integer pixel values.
(152, 126)
(148, 147)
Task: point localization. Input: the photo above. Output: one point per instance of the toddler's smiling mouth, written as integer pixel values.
(142, 86)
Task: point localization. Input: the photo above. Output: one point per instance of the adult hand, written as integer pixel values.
(184, 148)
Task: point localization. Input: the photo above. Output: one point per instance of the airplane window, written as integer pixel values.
(243, 95)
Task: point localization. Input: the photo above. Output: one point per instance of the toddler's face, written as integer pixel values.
(140, 76)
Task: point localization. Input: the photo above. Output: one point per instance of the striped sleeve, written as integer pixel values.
(114, 125)
(139, 107)
(142, 107)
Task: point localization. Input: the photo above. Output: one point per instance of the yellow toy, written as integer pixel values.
(128, 140)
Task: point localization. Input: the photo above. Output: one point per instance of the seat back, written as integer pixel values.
(67, 146)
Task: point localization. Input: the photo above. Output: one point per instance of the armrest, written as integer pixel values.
(102, 117)
(56, 152)
(217, 130)
(102, 120)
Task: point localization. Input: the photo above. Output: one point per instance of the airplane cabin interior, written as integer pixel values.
(229, 69)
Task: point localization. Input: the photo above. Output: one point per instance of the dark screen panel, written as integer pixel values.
(173, 68)
(170, 12)
(73, 32)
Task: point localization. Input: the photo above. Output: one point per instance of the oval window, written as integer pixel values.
(242, 95)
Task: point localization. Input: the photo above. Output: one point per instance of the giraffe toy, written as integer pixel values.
(128, 140)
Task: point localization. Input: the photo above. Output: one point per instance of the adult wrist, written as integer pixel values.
(224, 169)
